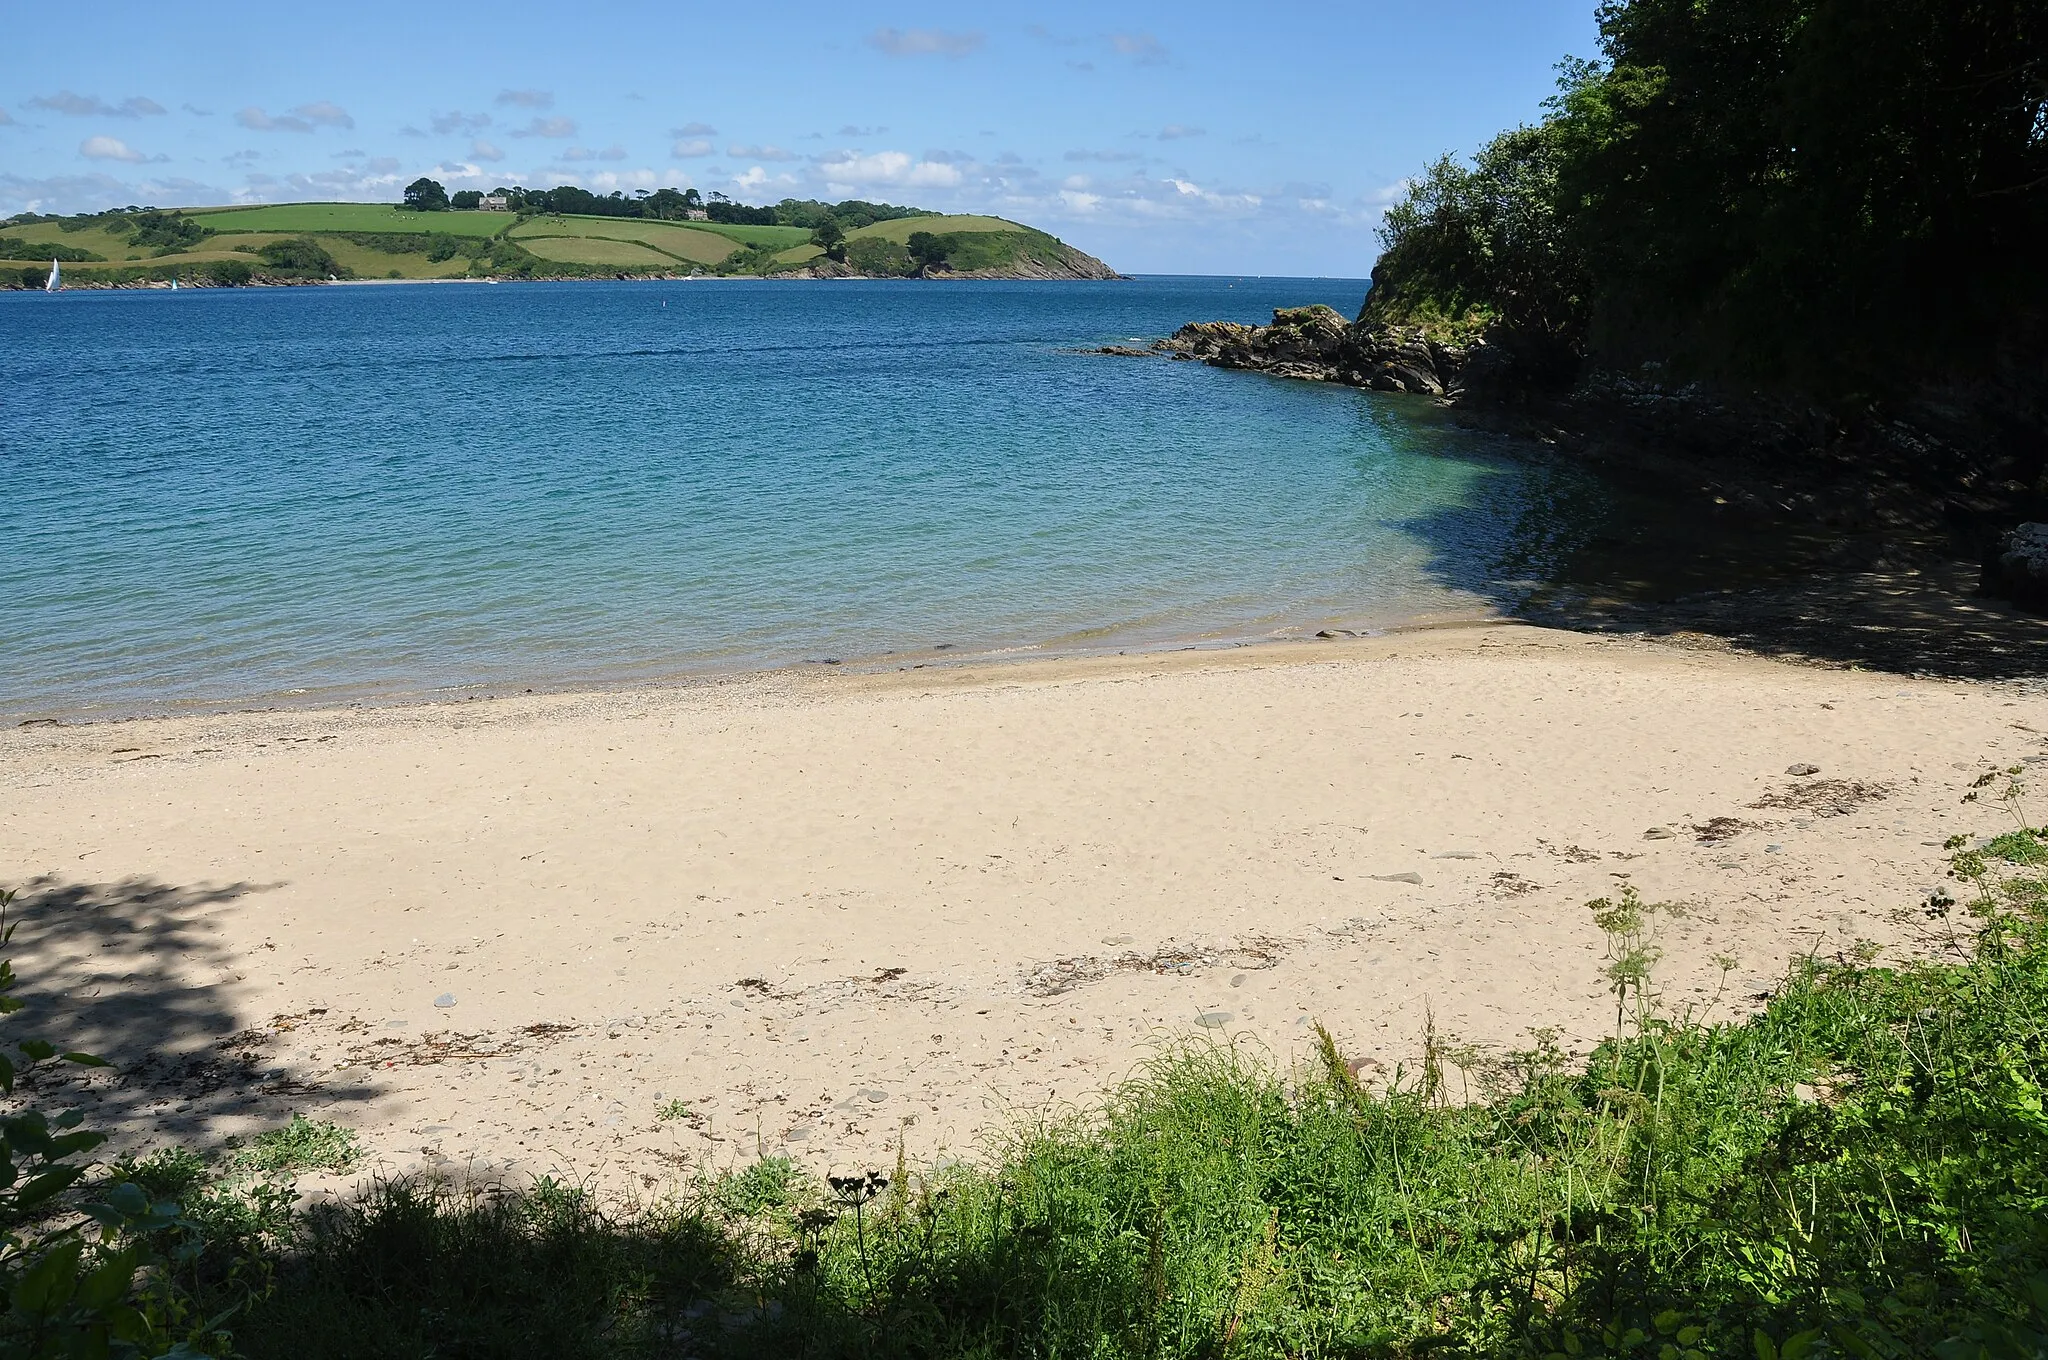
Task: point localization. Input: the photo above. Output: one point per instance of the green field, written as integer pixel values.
(900, 232)
(306, 217)
(901, 229)
(671, 239)
(568, 244)
(599, 250)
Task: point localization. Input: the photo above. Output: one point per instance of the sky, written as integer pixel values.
(1194, 137)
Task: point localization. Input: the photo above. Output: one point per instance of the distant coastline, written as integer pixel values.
(291, 244)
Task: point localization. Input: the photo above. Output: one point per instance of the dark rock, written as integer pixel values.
(2016, 568)
(1802, 769)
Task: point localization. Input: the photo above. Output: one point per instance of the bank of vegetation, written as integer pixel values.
(1858, 1168)
(561, 233)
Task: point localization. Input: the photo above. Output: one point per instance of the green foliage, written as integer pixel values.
(167, 232)
(302, 1145)
(302, 256)
(74, 1282)
(1467, 248)
(226, 273)
(1804, 192)
(671, 1110)
(881, 258)
(771, 1183)
(926, 251)
(426, 195)
(830, 237)
(466, 200)
(14, 248)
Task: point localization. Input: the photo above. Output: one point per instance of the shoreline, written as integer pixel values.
(500, 934)
(343, 698)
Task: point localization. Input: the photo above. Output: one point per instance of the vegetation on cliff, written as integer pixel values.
(1815, 195)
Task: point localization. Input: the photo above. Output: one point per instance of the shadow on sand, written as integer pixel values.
(1636, 559)
(136, 971)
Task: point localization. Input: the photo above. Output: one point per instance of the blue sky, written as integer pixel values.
(1194, 137)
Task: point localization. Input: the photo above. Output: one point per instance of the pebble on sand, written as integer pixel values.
(444, 1000)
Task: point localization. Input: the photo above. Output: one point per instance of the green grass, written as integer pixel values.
(302, 1145)
(675, 242)
(597, 250)
(1859, 1169)
(1001, 236)
(311, 217)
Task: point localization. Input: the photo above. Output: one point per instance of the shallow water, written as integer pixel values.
(218, 497)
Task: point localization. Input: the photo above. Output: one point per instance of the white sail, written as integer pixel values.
(56, 279)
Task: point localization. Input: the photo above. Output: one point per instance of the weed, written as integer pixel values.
(302, 1145)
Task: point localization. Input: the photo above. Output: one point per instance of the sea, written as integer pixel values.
(227, 498)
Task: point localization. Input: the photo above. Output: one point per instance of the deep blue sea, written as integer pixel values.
(217, 498)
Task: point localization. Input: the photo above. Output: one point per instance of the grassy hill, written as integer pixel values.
(307, 242)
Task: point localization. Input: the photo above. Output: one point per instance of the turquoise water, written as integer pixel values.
(215, 498)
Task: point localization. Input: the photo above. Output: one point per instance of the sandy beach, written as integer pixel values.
(830, 912)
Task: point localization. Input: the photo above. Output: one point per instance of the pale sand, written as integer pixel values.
(947, 884)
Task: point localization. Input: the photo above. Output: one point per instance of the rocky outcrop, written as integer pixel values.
(1319, 345)
(2016, 568)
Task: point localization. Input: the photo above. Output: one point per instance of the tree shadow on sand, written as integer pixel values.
(1542, 542)
(136, 971)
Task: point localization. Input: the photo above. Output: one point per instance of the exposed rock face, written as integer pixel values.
(2017, 568)
(1318, 344)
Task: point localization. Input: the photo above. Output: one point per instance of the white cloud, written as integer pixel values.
(1108, 156)
(548, 127)
(894, 168)
(92, 106)
(62, 193)
(323, 113)
(757, 178)
(527, 99)
(457, 121)
(484, 151)
(584, 153)
(759, 153)
(1173, 132)
(694, 130)
(924, 42)
(851, 131)
(112, 149)
(689, 148)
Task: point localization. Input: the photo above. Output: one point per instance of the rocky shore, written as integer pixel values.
(1318, 345)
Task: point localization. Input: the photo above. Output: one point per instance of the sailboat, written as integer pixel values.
(174, 283)
(56, 282)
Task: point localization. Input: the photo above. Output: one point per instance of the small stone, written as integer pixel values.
(1802, 769)
(1116, 939)
(1237, 981)
(1456, 854)
(1659, 833)
(796, 1135)
(1214, 1019)
(1773, 849)
(1413, 878)
(875, 1097)
(444, 1001)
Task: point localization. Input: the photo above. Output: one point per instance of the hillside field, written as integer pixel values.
(384, 241)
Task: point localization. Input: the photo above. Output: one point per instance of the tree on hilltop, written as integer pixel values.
(830, 237)
(426, 195)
